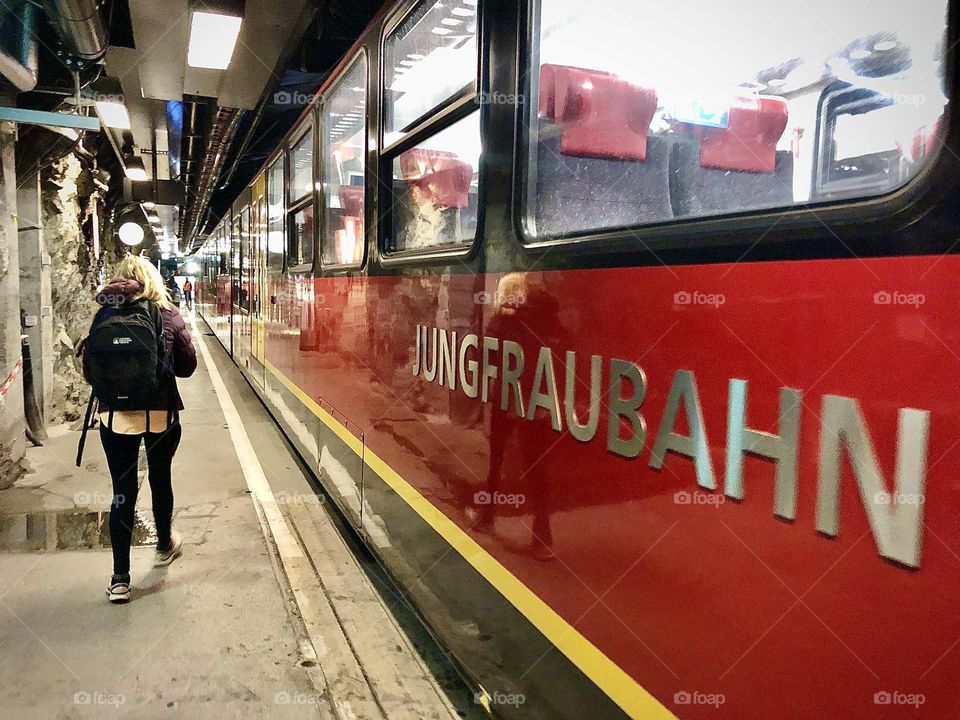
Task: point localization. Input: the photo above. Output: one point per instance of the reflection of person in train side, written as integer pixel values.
(525, 313)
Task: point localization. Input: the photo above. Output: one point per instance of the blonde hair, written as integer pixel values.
(136, 267)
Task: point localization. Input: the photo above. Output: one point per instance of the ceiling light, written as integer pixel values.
(463, 12)
(213, 35)
(106, 93)
(442, 31)
(148, 205)
(131, 234)
(885, 45)
(135, 169)
(113, 114)
(859, 54)
(452, 22)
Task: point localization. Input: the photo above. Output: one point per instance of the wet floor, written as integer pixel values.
(68, 530)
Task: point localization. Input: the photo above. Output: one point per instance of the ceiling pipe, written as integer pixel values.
(221, 137)
(19, 58)
(80, 25)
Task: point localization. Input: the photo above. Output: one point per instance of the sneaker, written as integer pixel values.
(165, 557)
(119, 593)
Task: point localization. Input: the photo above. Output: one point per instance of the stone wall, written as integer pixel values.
(75, 275)
(12, 439)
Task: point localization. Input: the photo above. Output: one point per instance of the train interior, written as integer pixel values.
(756, 109)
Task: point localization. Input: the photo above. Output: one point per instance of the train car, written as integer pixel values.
(627, 340)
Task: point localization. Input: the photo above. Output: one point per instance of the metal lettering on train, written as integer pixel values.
(466, 362)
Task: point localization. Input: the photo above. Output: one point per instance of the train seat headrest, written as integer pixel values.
(600, 115)
(442, 177)
(749, 142)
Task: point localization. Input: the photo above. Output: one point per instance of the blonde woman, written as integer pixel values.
(138, 327)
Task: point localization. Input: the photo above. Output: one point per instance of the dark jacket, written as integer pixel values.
(178, 346)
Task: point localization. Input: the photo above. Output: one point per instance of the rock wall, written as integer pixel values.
(12, 424)
(74, 278)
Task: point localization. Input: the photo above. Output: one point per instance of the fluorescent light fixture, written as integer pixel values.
(131, 234)
(213, 38)
(113, 113)
(148, 205)
(107, 96)
(135, 169)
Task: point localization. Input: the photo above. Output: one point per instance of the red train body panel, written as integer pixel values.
(685, 452)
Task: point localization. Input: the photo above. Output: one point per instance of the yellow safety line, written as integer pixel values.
(636, 701)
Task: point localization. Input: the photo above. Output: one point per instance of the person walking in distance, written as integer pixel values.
(188, 293)
(137, 347)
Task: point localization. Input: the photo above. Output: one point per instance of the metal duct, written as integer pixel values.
(19, 61)
(80, 25)
(221, 137)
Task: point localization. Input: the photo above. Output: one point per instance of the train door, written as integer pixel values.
(236, 290)
(261, 284)
(257, 271)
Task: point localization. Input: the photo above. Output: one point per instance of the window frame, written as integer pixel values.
(447, 113)
(719, 230)
(280, 157)
(361, 55)
(292, 208)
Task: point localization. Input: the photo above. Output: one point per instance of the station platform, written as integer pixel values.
(273, 610)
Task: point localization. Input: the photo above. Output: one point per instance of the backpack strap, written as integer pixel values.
(86, 426)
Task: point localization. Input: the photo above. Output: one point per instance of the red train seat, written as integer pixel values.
(600, 115)
(441, 176)
(749, 142)
(351, 199)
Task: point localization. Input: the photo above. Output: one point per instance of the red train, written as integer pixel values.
(628, 342)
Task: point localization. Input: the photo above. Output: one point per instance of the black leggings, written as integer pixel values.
(122, 452)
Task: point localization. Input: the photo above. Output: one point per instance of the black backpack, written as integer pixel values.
(125, 360)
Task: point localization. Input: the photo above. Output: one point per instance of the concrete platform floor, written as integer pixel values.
(229, 630)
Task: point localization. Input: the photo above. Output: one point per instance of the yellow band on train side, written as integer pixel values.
(636, 701)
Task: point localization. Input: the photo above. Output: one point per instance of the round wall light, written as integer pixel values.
(131, 234)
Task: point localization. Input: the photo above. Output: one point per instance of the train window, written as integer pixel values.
(435, 187)
(275, 239)
(301, 167)
(344, 167)
(430, 57)
(300, 249)
(724, 108)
